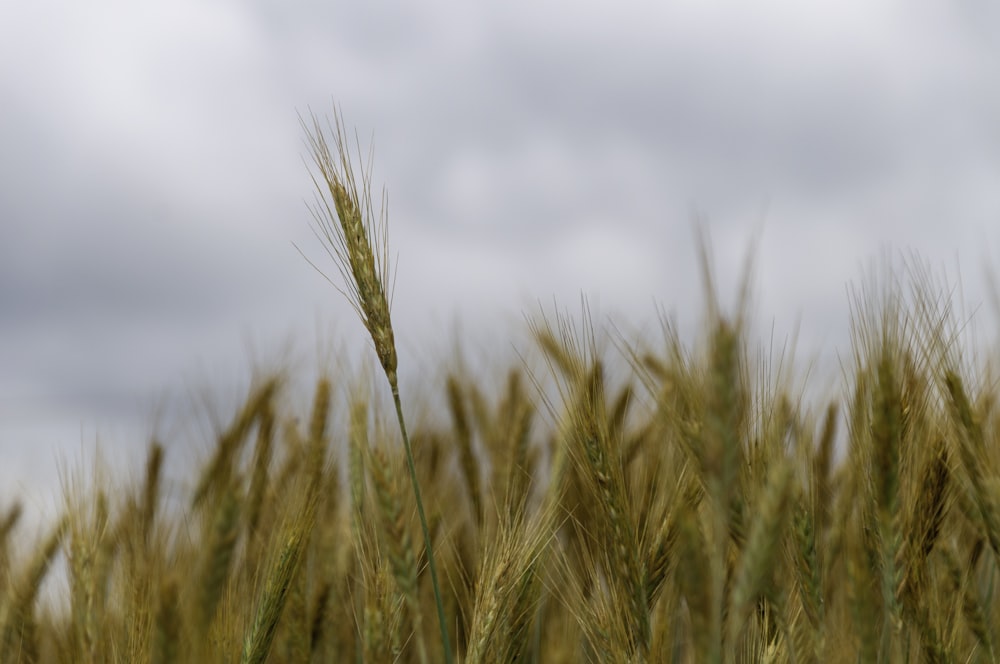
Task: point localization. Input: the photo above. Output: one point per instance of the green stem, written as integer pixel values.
(423, 523)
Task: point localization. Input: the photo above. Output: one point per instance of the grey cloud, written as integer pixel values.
(151, 180)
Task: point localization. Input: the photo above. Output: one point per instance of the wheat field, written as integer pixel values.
(685, 507)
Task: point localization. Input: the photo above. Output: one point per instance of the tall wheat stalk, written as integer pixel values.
(351, 236)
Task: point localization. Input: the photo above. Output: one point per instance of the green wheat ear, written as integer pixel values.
(350, 235)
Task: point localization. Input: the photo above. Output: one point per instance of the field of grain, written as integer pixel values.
(686, 507)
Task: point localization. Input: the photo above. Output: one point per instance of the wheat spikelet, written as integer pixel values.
(926, 520)
(18, 619)
(91, 548)
(350, 235)
(724, 419)
(6, 526)
(215, 564)
(273, 597)
(598, 465)
(357, 454)
(320, 613)
(295, 620)
(887, 441)
(218, 472)
(166, 626)
(865, 604)
(660, 556)
(259, 469)
(466, 456)
(519, 412)
(693, 578)
(397, 542)
(808, 576)
(971, 452)
(151, 490)
(316, 451)
(508, 590)
(969, 604)
(713, 432)
(757, 560)
(618, 413)
(489, 604)
(556, 352)
(822, 465)
(381, 613)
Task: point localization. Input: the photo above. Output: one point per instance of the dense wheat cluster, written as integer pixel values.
(692, 508)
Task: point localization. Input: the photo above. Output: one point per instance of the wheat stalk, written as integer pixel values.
(349, 236)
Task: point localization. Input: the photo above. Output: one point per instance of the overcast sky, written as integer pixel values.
(152, 181)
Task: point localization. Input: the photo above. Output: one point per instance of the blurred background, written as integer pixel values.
(153, 185)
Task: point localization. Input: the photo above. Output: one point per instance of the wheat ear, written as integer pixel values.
(257, 645)
(350, 233)
(19, 614)
(216, 563)
(10, 520)
(399, 547)
(167, 625)
(757, 560)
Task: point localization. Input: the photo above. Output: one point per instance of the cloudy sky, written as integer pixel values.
(152, 181)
